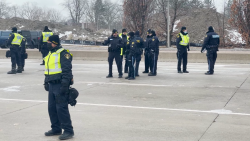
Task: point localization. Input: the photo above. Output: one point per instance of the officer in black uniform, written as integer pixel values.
(124, 37)
(182, 43)
(211, 44)
(114, 43)
(43, 42)
(23, 53)
(14, 42)
(146, 52)
(58, 78)
(153, 45)
(140, 45)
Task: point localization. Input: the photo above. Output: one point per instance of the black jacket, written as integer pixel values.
(41, 38)
(23, 48)
(153, 44)
(179, 39)
(66, 64)
(124, 40)
(146, 43)
(212, 40)
(139, 44)
(135, 45)
(114, 43)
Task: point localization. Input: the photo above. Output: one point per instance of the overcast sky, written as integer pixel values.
(57, 4)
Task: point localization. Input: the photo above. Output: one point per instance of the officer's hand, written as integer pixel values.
(64, 89)
(201, 51)
(103, 44)
(46, 86)
(188, 49)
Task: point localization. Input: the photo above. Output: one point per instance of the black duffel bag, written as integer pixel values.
(8, 54)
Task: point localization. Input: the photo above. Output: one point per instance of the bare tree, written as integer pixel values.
(76, 9)
(4, 9)
(31, 11)
(112, 12)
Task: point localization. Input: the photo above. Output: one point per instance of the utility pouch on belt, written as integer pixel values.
(73, 94)
(8, 54)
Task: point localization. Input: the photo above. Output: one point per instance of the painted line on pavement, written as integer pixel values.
(220, 111)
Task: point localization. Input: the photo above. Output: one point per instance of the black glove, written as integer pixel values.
(202, 50)
(103, 44)
(64, 89)
(46, 86)
(188, 49)
(118, 46)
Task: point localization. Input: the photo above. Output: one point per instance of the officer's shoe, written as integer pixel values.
(42, 64)
(127, 77)
(131, 78)
(180, 72)
(66, 136)
(209, 73)
(13, 71)
(52, 133)
(19, 70)
(109, 76)
(120, 76)
(185, 71)
(145, 72)
(137, 75)
(151, 74)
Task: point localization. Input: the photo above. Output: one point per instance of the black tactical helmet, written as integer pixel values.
(73, 94)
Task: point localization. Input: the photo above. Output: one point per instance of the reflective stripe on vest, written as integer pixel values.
(46, 36)
(185, 39)
(52, 63)
(17, 39)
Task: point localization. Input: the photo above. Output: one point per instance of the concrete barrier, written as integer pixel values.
(165, 56)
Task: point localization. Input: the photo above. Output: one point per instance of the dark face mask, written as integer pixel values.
(49, 45)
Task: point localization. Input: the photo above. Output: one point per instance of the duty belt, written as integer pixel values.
(55, 81)
(212, 46)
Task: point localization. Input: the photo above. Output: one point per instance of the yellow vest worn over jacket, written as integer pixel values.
(185, 40)
(17, 40)
(46, 36)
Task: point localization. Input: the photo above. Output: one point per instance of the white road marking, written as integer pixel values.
(221, 111)
(11, 89)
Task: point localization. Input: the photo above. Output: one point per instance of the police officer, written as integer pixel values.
(182, 42)
(14, 42)
(140, 45)
(211, 44)
(146, 52)
(58, 78)
(153, 46)
(124, 37)
(43, 41)
(114, 43)
(23, 53)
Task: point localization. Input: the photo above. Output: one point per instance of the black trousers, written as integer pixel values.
(15, 56)
(22, 61)
(126, 63)
(134, 63)
(182, 57)
(117, 57)
(58, 109)
(147, 62)
(211, 59)
(153, 59)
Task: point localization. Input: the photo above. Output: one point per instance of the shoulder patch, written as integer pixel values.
(138, 41)
(67, 56)
(133, 43)
(24, 39)
(153, 39)
(178, 35)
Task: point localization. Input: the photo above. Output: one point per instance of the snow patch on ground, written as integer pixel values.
(11, 89)
(66, 33)
(235, 37)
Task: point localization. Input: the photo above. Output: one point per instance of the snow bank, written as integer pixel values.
(235, 37)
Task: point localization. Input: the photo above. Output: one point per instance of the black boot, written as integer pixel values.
(120, 76)
(185, 71)
(52, 133)
(209, 73)
(127, 77)
(180, 72)
(43, 63)
(19, 70)
(151, 74)
(66, 136)
(109, 76)
(13, 71)
(131, 78)
(145, 72)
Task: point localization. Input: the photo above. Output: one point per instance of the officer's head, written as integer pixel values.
(149, 32)
(14, 30)
(54, 40)
(211, 29)
(115, 33)
(137, 33)
(184, 29)
(131, 34)
(46, 28)
(124, 31)
(153, 33)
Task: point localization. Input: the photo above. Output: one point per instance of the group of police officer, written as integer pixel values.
(131, 46)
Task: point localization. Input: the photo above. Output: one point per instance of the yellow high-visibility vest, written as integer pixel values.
(17, 39)
(185, 40)
(46, 36)
(53, 63)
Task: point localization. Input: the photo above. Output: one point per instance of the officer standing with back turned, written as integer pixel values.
(14, 42)
(211, 44)
(182, 43)
(58, 78)
(43, 41)
(146, 52)
(153, 46)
